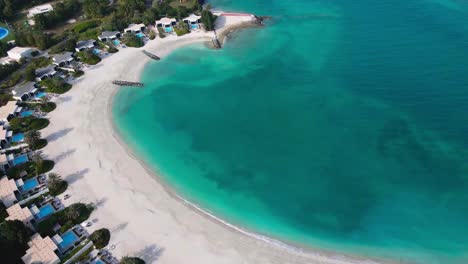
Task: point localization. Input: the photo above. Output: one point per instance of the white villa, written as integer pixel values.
(135, 28)
(85, 45)
(45, 72)
(23, 92)
(193, 21)
(8, 111)
(40, 9)
(18, 53)
(16, 212)
(8, 191)
(109, 35)
(167, 24)
(41, 250)
(63, 59)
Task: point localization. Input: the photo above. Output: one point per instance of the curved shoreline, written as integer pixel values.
(148, 216)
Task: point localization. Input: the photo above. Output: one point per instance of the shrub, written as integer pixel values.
(46, 227)
(112, 49)
(75, 213)
(131, 260)
(161, 33)
(88, 57)
(15, 231)
(100, 238)
(208, 20)
(132, 40)
(78, 73)
(84, 26)
(3, 212)
(56, 184)
(181, 29)
(152, 35)
(47, 107)
(56, 85)
(25, 124)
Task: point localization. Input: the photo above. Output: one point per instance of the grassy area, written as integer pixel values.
(187, 3)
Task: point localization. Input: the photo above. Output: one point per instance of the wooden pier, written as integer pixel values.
(151, 55)
(127, 83)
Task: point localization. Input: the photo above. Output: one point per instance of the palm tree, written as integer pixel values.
(38, 158)
(32, 138)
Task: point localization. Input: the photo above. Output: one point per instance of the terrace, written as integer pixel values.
(41, 250)
(8, 191)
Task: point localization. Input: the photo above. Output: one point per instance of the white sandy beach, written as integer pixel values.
(145, 220)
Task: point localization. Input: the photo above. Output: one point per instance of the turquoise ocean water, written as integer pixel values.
(342, 125)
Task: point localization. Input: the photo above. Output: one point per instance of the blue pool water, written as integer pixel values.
(68, 238)
(17, 137)
(3, 32)
(20, 159)
(96, 51)
(99, 262)
(29, 185)
(45, 211)
(116, 42)
(194, 26)
(140, 35)
(40, 94)
(26, 113)
(168, 29)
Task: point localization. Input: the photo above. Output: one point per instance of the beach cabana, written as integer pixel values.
(85, 45)
(63, 59)
(109, 35)
(167, 24)
(23, 92)
(8, 111)
(41, 250)
(135, 28)
(193, 21)
(45, 72)
(18, 53)
(8, 191)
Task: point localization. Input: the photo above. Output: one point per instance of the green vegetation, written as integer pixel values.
(84, 26)
(66, 45)
(30, 37)
(161, 33)
(34, 140)
(74, 214)
(95, 8)
(3, 212)
(32, 168)
(100, 238)
(47, 107)
(131, 260)
(132, 40)
(112, 49)
(181, 29)
(88, 57)
(55, 85)
(152, 35)
(15, 231)
(62, 11)
(208, 19)
(25, 124)
(7, 69)
(56, 184)
(30, 71)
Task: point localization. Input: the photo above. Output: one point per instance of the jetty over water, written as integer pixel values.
(151, 55)
(127, 83)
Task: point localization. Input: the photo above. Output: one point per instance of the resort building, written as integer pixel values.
(18, 53)
(166, 24)
(16, 212)
(4, 166)
(193, 21)
(40, 9)
(9, 111)
(41, 250)
(8, 191)
(63, 59)
(23, 92)
(109, 35)
(45, 72)
(135, 28)
(85, 45)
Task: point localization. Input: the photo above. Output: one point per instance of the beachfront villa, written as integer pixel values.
(16, 212)
(167, 24)
(41, 250)
(45, 73)
(63, 59)
(24, 91)
(85, 45)
(18, 53)
(8, 191)
(40, 9)
(66, 240)
(12, 191)
(135, 28)
(109, 35)
(9, 111)
(193, 21)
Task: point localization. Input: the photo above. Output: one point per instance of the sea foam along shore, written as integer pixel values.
(145, 219)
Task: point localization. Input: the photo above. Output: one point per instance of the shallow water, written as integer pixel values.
(341, 125)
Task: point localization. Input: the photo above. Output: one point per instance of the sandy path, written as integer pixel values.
(144, 219)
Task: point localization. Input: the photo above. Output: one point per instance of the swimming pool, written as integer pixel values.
(96, 51)
(26, 113)
(116, 42)
(99, 262)
(20, 159)
(17, 137)
(40, 94)
(68, 238)
(194, 26)
(29, 185)
(45, 211)
(3, 32)
(168, 29)
(140, 35)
